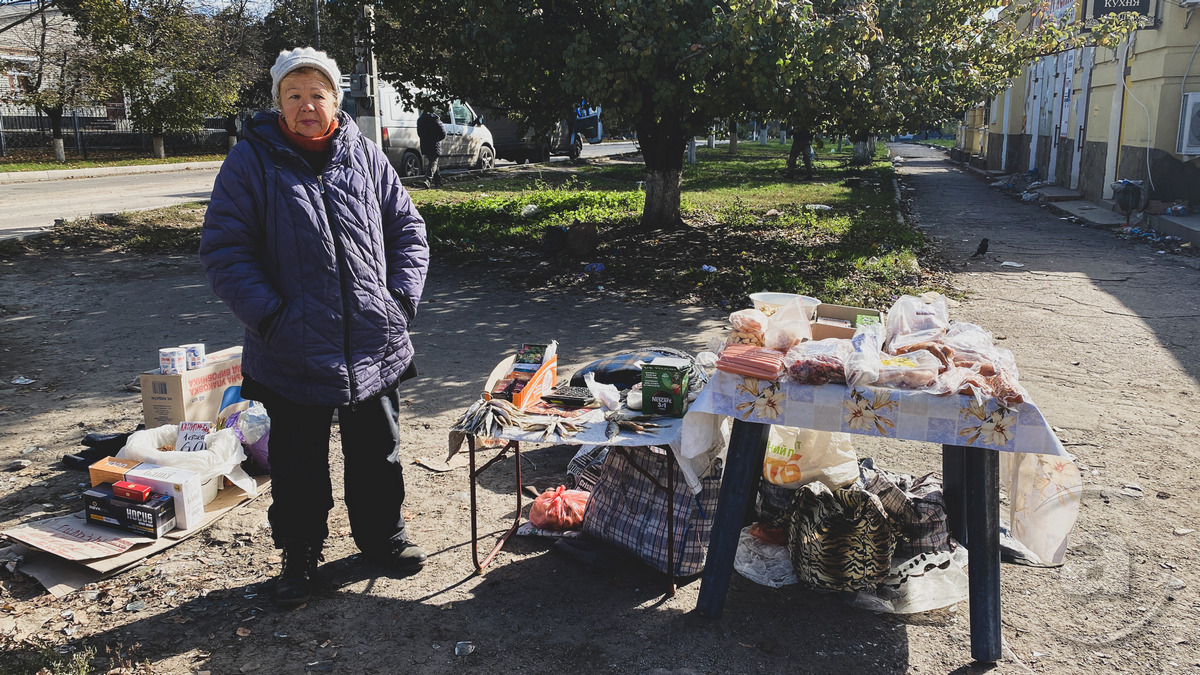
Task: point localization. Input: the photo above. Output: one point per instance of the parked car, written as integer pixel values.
(468, 142)
(567, 138)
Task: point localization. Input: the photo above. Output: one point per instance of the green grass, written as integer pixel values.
(743, 217)
(43, 159)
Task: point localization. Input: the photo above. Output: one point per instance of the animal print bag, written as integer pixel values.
(838, 540)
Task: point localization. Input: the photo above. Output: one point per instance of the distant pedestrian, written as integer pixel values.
(315, 246)
(431, 133)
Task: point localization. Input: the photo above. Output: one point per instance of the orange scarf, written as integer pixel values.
(313, 144)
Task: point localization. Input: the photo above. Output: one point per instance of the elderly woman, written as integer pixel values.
(315, 246)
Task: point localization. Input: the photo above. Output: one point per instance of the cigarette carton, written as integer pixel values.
(152, 518)
(110, 470)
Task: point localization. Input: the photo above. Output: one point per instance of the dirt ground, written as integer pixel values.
(1102, 328)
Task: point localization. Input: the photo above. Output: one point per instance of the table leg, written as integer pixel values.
(743, 466)
(516, 448)
(982, 526)
(953, 492)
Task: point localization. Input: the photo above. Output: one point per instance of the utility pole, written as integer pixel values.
(364, 81)
(317, 24)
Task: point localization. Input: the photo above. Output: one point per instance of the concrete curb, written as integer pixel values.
(10, 177)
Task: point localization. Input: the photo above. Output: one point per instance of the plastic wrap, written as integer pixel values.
(912, 319)
(560, 509)
(788, 326)
(862, 366)
(749, 327)
(818, 362)
(750, 361)
(914, 370)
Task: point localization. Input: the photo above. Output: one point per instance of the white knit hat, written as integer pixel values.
(302, 57)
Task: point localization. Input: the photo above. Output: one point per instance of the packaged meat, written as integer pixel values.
(912, 319)
(943, 353)
(862, 365)
(819, 361)
(915, 370)
(788, 326)
(750, 361)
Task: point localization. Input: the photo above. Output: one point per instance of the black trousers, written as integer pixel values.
(301, 487)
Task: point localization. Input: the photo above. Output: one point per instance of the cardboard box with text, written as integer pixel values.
(193, 395)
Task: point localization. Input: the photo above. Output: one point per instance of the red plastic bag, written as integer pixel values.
(560, 509)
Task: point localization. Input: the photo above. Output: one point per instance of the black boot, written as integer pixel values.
(295, 583)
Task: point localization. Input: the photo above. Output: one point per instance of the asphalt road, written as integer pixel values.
(28, 208)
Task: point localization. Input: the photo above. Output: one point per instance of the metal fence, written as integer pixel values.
(26, 130)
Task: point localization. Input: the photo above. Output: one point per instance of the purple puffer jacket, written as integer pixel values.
(310, 260)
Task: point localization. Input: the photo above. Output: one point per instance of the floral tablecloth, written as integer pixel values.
(1043, 484)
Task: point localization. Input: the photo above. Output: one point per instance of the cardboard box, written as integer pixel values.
(191, 396)
(844, 320)
(180, 484)
(152, 518)
(665, 386)
(539, 384)
(110, 470)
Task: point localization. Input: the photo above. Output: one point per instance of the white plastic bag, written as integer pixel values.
(788, 326)
(928, 581)
(608, 395)
(222, 456)
(763, 563)
(799, 456)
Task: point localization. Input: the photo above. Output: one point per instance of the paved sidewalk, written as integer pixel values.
(94, 172)
(1101, 214)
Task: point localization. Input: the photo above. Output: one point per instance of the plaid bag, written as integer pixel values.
(628, 511)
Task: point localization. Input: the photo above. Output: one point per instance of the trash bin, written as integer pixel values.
(1128, 196)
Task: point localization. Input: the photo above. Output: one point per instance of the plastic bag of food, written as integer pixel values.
(750, 361)
(560, 509)
(749, 327)
(222, 455)
(912, 319)
(818, 362)
(788, 326)
(763, 562)
(914, 370)
(862, 366)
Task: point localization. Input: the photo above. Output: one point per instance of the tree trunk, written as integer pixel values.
(231, 129)
(157, 148)
(864, 148)
(56, 133)
(663, 143)
(732, 137)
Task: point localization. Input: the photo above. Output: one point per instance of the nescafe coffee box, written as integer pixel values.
(665, 386)
(152, 518)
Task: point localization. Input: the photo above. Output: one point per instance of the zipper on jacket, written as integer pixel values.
(341, 253)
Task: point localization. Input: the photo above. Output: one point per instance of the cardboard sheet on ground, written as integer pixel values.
(66, 553)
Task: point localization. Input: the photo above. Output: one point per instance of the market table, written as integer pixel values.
(593, 434)
(1042, 483)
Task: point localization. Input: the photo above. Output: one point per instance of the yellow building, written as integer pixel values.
(1082, 125)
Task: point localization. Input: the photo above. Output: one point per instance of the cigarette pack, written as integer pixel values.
(134, 492)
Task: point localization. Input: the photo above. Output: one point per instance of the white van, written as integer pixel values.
(468, 142)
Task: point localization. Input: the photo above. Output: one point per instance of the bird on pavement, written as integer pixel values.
(982, 248)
